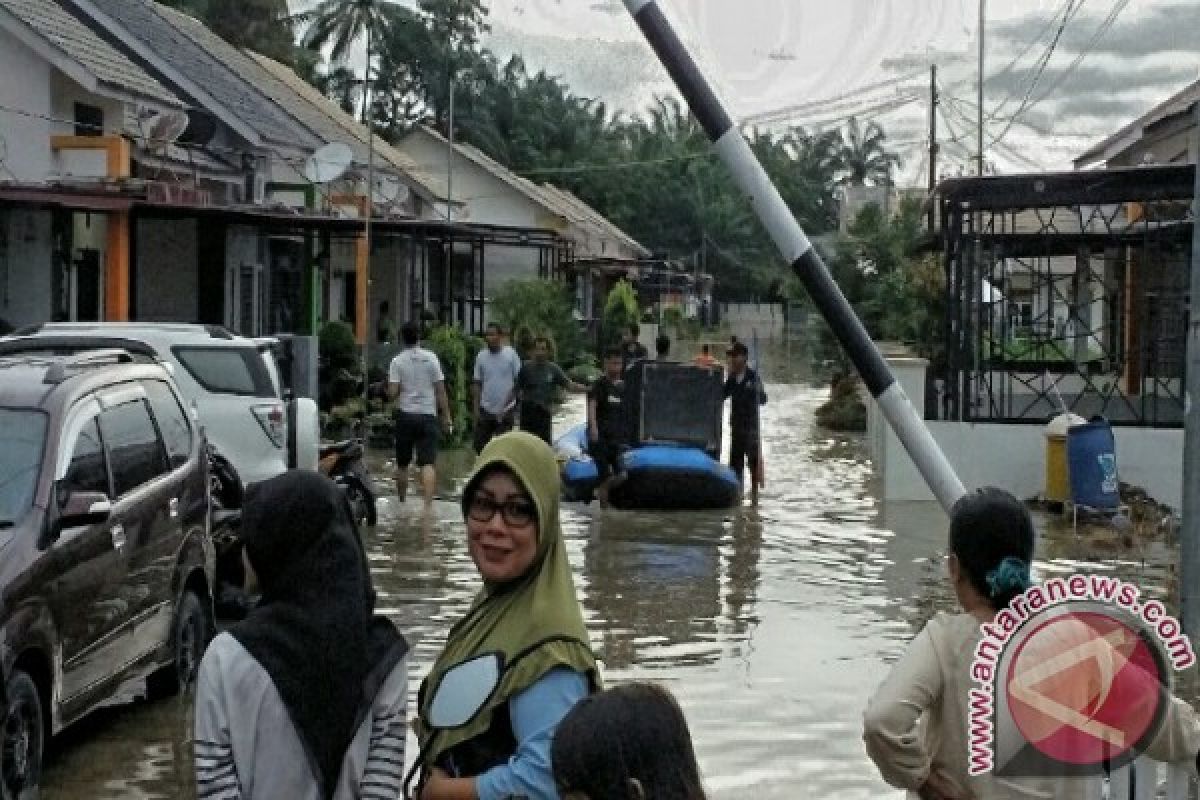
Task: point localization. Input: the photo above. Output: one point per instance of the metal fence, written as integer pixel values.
(1067, 290)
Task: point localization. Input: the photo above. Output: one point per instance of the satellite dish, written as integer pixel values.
(202, 127)
(328, 163)
(165, 128)
(387, 189)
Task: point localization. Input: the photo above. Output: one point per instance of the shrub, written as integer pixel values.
(339, 366)
(456, 350)
(620, 311)
(540, 308)
(844, 410)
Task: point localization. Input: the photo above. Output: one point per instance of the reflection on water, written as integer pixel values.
(771, 625)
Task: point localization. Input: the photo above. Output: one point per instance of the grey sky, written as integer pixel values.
(769, 54)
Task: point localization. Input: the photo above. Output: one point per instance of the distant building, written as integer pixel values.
(1166, 134)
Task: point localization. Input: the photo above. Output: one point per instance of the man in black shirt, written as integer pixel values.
(608, 425)
(631, 349)
(746, 394)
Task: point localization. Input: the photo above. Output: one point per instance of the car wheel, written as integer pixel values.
(24, 737)
(188, 641)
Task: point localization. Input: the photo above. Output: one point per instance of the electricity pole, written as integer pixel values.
(979, 99)
(933, 143)
(370, 211)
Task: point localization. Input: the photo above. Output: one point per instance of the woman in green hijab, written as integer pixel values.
(527, 615)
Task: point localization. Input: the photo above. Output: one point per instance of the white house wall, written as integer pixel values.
(25, 140)
(167, 279)
(26, 271)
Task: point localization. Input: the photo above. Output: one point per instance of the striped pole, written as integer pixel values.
(752, 179)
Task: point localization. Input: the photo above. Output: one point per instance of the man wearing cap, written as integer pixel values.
(746, 394)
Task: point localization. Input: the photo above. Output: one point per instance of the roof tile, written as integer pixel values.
(70, 35)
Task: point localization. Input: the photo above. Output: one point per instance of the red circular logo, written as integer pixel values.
(1085, 688)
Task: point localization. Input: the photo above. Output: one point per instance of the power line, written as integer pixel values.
(1070, 9)
(1026, 103)
(787, 112)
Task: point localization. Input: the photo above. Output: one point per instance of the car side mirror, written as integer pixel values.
(84, 508)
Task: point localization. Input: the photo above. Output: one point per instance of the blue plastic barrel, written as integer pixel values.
(1092, 465)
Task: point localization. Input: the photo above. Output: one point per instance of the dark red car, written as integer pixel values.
(106, 561)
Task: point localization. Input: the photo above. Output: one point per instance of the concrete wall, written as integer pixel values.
(26, 266)
(744, 319)
(1011, 456)
(167, 279)
(25, 140)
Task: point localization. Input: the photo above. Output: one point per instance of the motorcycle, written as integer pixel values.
(345, 463)
(227, 492)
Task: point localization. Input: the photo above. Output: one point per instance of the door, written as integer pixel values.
(87, 568)
(147, 505)
(153, 562)
(86, 281)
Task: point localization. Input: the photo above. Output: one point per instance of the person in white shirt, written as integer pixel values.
(493, 388)
(416, 383)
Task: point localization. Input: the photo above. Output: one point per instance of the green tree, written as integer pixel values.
(542, 308)
(620, 311)
(339, 24)
(864, 155)
(260, 25)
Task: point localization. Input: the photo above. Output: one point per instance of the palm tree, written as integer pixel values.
(338, 24)
(864, 156)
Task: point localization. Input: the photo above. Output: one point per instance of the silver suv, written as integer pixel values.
(232, 384)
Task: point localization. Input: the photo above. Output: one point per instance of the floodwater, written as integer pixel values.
(772, 626)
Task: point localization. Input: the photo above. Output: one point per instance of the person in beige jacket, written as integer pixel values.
(916, 725)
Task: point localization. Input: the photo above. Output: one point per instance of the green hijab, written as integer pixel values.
(535, 620)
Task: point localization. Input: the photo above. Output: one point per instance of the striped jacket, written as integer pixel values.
(248, 749)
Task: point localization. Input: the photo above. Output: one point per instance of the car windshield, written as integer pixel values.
(24, 435)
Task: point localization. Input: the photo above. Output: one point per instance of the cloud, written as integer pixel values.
(1091, 78)
(1164, 27)
(1098, 105)
(597, 68)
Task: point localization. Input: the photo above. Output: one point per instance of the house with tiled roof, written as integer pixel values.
(72, 106)
(166, 170)
(484, 189)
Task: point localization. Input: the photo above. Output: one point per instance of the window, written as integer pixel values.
(133, 446)
(227, 370)
(87, 471)
(23, 434)
(89, 120)
(172, 422)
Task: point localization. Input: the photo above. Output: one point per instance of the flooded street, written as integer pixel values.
(772, 626)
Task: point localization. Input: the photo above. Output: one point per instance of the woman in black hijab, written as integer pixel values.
(305, 698)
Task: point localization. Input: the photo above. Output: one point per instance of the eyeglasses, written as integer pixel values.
(517, 513)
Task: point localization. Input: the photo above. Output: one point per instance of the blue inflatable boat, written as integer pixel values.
(660, 477)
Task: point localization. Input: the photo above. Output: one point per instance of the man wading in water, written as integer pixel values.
(494, 387)
(747, 394)
(535, 390)
(608, 419)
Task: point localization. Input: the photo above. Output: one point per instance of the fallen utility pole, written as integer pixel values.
(788, 236)
(1189, 535)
